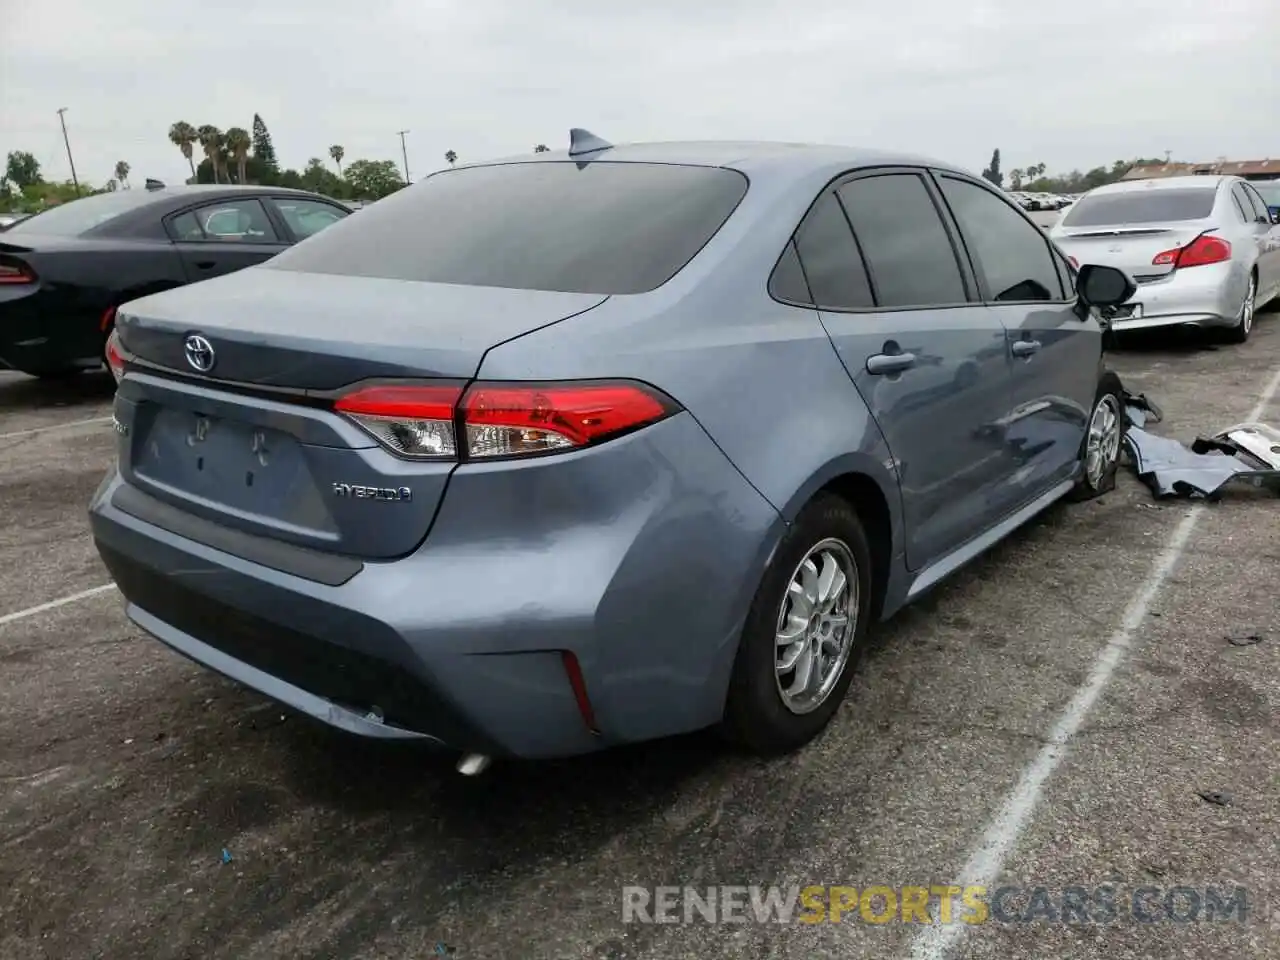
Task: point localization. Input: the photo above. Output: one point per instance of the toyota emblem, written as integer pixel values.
(199, 353)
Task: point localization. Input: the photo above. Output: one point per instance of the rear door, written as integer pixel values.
(930, 363)
(1055, 349)
(223, 236)
(1267, 236)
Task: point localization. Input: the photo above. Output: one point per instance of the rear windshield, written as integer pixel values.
(1141, 206)
(605, 228)
(77, 216)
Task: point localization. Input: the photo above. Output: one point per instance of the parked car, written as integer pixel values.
(538, 456)
(64, 271)
(1203, 250)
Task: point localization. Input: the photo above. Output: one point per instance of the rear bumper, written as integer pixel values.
(1208, 296)
(460, 644)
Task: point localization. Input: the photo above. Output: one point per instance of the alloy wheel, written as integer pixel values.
(816, 625)
(1103, 443)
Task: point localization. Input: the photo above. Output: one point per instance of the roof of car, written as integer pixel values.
(1164, 183)
(183, 191)
(745, 155)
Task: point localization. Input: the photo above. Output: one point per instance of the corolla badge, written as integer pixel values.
(199, 353)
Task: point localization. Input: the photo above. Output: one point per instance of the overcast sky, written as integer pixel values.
(1070, 83)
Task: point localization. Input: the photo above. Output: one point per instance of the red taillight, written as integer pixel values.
(115, 358)
(14, 271)
(412, 421)
(1203, 250)
(506, 420)
(500, 419)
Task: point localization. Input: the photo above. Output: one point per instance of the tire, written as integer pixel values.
(757, 715)
(1105, 436)
(1244, 320)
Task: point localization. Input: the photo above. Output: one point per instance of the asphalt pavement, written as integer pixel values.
(1094, 704)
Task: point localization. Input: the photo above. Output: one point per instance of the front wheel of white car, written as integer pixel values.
(1244, 319)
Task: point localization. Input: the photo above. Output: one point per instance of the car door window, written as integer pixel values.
(1259, 205)
(1011, 254)
(1241, 204)
(237, 221)
(905, 245)
(829, 256)
(1241, 196)
(306, 217)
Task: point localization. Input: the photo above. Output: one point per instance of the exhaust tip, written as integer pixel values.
(473, 764)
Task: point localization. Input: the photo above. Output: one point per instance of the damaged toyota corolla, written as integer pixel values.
(583, 448)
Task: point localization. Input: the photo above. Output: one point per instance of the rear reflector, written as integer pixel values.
(495, 420)
(14, 271)
(1204, 249)
(573, 670)
(115, 358)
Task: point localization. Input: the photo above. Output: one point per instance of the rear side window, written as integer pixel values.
(906, 247)
(788, 282)
(1241, 205)
(1259, 205)
(1012, 254)
(1152, 205)
(604, 228)
(831, 261)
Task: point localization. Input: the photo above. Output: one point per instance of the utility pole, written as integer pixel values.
(67, 141)
(404, 153)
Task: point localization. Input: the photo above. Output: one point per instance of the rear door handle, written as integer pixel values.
(890, 362)
(206, 264)
(1025, 348)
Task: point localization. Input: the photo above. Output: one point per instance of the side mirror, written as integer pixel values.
(1101, 286)
(1275, 216)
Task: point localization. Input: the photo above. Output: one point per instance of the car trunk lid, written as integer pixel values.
(1131, 248)
(254, 443)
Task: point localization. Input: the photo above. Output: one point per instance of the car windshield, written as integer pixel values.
(601, 227)
(1141, 206)
(75, 217)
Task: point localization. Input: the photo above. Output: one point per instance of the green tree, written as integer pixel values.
(336, 153)
(541, 148)
(992, 172)
(22, 169)
(211, 142)
(184, 136)
(450, 157)
(263, 151)
(373, 179)
(238, 143)
(121, 174)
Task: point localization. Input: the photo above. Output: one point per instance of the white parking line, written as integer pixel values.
(54, 604)
(54, 426)
(987, 860)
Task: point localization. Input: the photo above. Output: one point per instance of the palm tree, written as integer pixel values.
(336, 153)
(183, 136)
(122, 173)
(450, 157)
(238, 143)
(211, 143)
(541, 148)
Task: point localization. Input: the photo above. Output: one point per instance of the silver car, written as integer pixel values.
(1203, 249)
